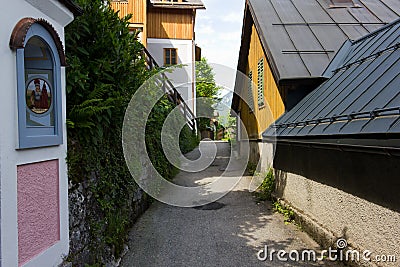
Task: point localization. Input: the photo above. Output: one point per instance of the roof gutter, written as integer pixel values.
(302, 80)
(374, 146)
(178, 5)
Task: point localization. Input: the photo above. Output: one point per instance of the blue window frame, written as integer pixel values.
(39, 90)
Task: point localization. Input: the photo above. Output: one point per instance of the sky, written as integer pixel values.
(218, 31)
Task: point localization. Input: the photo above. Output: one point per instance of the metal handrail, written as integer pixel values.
(172, 93)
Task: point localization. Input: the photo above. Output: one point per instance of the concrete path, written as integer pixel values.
(227, 233)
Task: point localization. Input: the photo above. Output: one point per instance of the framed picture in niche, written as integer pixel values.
(38, 95)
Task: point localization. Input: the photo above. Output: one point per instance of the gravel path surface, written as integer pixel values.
(228, 232)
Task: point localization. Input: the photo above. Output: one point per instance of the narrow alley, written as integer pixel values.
(228, 232)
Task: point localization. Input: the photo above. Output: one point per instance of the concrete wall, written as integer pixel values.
(350, 194)
(10, 157)
(260, 154)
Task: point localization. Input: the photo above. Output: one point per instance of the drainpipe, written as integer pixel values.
(194, 65)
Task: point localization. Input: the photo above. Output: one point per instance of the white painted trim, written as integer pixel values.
(172, 41)
(54, 9)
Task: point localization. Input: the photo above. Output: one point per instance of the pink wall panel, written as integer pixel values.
(38, 208)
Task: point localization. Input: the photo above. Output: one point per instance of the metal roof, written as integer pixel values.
(361, 97)
(302, 36)
(192, 4)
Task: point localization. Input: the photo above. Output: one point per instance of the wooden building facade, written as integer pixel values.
(264, 101)
(286, 46)
(174, 24)
(138, 10)
(167, 32)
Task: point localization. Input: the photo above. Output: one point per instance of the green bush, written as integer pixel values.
(188, 140)
(105, 68)
(251, 168)
(267, 187)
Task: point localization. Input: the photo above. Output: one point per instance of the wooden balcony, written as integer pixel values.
(121, 6)
(135, 7)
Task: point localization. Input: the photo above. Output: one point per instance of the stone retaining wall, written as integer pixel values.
(82, 209)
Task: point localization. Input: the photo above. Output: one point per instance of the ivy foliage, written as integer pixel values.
(105, 68)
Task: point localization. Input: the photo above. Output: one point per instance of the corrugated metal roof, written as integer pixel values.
(361, 97)
(302, 36)
(196, 4)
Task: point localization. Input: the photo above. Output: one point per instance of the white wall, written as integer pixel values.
(10, 14)
(182, 78)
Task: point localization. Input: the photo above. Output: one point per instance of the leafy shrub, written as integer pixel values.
(105, 69)
(188, 140)
(267, 187)
(287, 213)
(251, 168)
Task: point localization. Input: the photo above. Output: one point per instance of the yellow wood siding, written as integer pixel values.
(138, 9)
(135, 7)
(170, 23)
(263, 117)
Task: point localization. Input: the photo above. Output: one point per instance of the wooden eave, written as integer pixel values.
(177, 5)
(248, 21)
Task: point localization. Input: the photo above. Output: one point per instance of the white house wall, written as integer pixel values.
(182, 78)
(10, 157)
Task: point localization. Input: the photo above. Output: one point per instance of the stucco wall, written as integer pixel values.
(363, 224)
(38, 208)
(183, 78)
(10, 157)
(350, 194)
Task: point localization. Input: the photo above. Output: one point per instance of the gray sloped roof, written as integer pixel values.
(301, 37)
(361, 97)
(196, 4)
